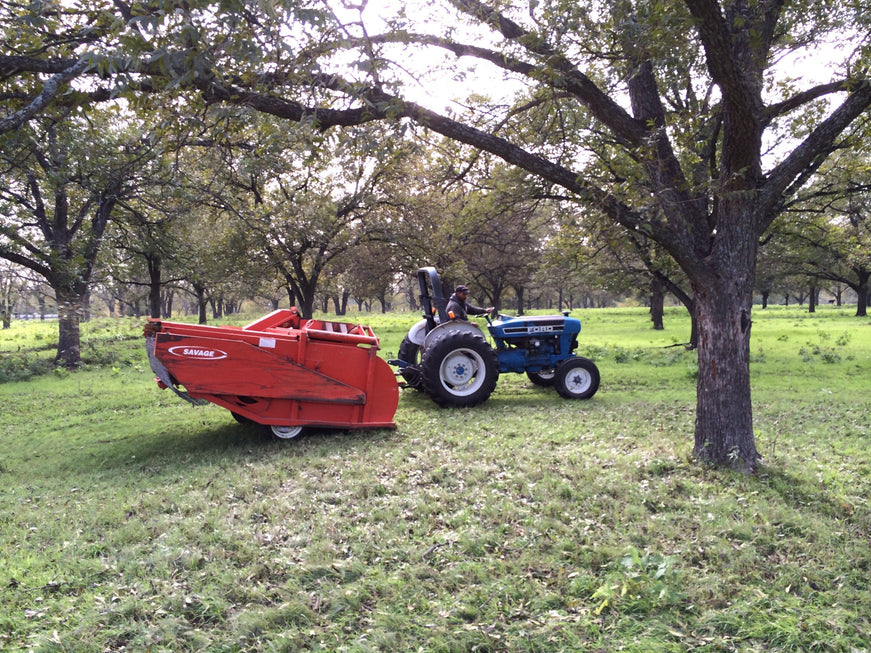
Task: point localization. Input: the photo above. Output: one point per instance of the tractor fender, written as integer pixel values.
(453, 325)
(417, 333)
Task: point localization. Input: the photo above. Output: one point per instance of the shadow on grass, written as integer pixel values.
(185, 449)
(803, 494)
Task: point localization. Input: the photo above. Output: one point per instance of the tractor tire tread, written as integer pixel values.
(436, 353)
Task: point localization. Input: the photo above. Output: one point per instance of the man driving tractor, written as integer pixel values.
(458, 309)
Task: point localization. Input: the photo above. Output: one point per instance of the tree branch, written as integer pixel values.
(816, 143)
(560, 72)
(800, 99)
(49, 92)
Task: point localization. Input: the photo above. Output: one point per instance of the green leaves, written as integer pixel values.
(646, 582)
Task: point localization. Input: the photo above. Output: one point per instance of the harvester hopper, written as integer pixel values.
(281, 371)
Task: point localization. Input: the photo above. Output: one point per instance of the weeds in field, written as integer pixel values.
(643, 583)
(820, 350)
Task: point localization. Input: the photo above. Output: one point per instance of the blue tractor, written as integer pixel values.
(452, 362)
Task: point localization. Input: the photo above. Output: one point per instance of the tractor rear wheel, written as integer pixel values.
(459, 369)
(410, 353)
(576, 378)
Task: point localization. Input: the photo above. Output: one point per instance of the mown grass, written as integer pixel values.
(132, 521)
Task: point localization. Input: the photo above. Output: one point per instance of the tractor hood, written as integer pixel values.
(534, 325)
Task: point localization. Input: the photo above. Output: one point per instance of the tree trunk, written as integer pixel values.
(69, 346)
(306, 300)
(862, 300)
(6, 306)
(724, 415)
(812, 300)
(861, 288)
(765, 299)
(688, 302)
(154, 286)
(657, 303)
(167, 304)
(217, 306)
(202, 303)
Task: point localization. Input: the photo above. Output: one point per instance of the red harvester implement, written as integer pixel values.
(280, 371)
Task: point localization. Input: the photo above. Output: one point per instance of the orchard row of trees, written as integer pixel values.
(218, 223)
(686, 139)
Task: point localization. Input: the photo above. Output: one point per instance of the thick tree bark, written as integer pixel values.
(724, 417)
(69, 348)
(724, 422)
(862, 300)
(657, 303)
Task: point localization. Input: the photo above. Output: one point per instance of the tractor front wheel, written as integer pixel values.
(576, 378)
(459, 369)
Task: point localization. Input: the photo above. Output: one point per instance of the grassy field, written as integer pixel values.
(130, 520)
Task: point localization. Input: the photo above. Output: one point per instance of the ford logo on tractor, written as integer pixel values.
(195, 352)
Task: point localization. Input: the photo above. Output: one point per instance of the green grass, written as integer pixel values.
(130, 520)
(27, 349)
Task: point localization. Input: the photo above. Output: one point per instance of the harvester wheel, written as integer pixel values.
(284, 432)
(410, 353)
(543, 378)
(459, 369)
(576, 378)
